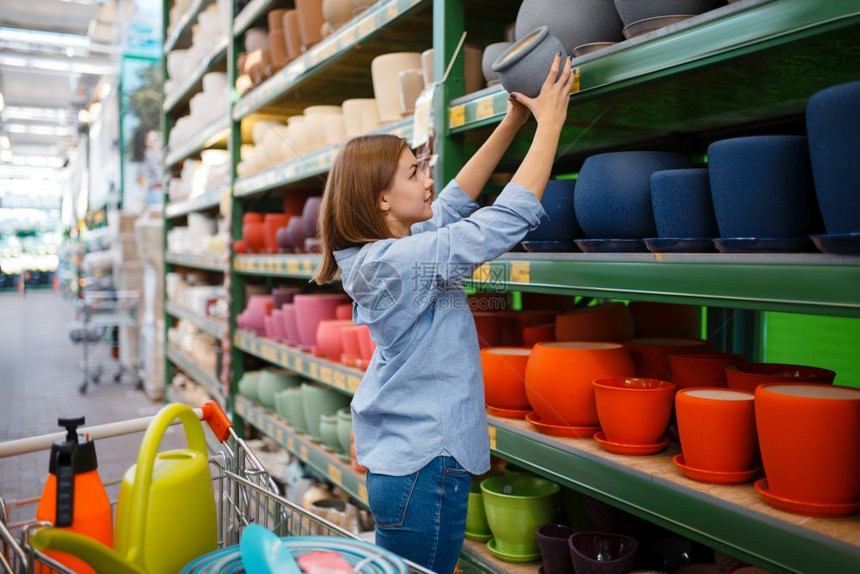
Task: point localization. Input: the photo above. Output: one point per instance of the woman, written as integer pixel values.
(418, 415)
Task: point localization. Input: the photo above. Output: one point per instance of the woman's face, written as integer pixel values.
(408, 199)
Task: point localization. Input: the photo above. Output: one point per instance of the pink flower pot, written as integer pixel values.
(343, 312)
(291, 327)
(310, 310)
(351, 348)
(329, 339)
(278, 330)
(365, 344)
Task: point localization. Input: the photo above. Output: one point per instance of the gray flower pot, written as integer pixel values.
(524, 66)
(492, 52)
(573, 22)
(636, 10)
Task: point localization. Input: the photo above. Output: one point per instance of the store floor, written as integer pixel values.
(39, 377)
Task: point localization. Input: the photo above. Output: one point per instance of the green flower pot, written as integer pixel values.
(248, 385)
(344, 429)
(516, 506)
(281, 405)
(328, 432)
(476, 518)
(296, 407)
(271, 381)
(319, 401)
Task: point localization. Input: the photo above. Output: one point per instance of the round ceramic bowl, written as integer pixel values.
(602, 553)
(702, 370)
(606, 322)
(810, 446)
(524, 66)
(748, 376)
(559, 379)
(516, 506)
(633, 410)
(504, 371)
(717, 429)
(651, 354)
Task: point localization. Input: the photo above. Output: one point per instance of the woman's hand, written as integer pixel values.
(550, 106)
(517, 114)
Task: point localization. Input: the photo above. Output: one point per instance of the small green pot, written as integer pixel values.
(296, 408)
(248, 385)
(516, 506)
(328, 432)
(320, 401)
(272, 381)
(281, 406)
(344, 429)
(476, 517)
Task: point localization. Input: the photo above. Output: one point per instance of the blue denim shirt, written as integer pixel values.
(423, 393)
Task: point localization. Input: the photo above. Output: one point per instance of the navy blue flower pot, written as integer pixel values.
(560, 223)
(613, 193)
(833, 126)
(761, 186)
(682, 204)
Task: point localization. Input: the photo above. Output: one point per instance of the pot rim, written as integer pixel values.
(606, 383)
(580, 345)
(813, 373)
(533, 39)
(748, 396)
(847, 393)
(510, 351)
(553, 488)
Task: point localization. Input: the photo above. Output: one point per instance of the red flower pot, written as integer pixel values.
(717, 428)
(651, 355)
(504, 376)
(329, 339)
(810, 445)
(707, 370)
(351, 347)
(294, 201)
(489, 327)
(343, 312)
(607, 322)
(748, 376)
(633, 411)
(559, 379)
(254, 236)
(366, 344)
(538, 334)
(271, 223)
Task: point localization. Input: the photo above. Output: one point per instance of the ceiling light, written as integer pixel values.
(43, 38)
(38, 161)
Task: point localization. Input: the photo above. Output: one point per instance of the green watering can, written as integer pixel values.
(165, 517)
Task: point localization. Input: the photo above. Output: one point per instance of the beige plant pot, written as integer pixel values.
(315, 124)
(292, 34)
(411, 84)
(310, 21)
(297, 135)
(472, 71)
(386, 86)
(337, 12)
(359, 115)
(335, 132)
(256, 39)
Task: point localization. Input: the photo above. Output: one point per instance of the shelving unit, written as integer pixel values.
(747, 66)
(197, 374)
(208, 325)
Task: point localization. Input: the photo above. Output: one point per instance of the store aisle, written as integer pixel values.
(39, 377)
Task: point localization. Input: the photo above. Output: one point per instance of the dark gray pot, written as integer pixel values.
(682, 204)
(573, 22)
(636, 10)
(492, 52)
(524, 66)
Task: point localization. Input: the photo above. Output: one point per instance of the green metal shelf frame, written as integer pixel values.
(208, 200)
(311, 453)
(335, 375)
(743, 31)
(193, 82)
(293, 266)
(249, 13)
(181, 34)
(757, 281)
(313, 164)
(213, 327)
(205, 262)
(367, 25)
(196, 373)
(742, 532)
(210, 135)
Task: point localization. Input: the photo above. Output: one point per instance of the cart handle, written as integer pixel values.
(211, 412)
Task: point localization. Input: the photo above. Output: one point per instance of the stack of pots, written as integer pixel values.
(310, 310)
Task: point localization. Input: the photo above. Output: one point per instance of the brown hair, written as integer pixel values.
(350, 214)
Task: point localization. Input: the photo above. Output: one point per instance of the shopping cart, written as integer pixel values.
(98, 317)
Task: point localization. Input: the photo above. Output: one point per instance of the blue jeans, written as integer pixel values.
(422, 516)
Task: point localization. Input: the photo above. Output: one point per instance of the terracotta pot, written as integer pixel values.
(384, 70)
(311, 215)
(810, 442)
(607, 322)
(559, 379)
(291, 327)
(651, 355)
(708, 370)
(652, 319)
(278, 50)
(254, 236)
(351, 348)
(504, 371)
(524, 66)
(292, 34)
(240, 247)
(748, 376)
(516, 321)
(276, 20)
(310, 310)
(717, 428)
(538, 334)
(633, 411)
(365, 343)
(411, 83)
(310, 21)
(360, 115)
(294, 201)
(337, 12)
(271, 223)
(573, 22)
(489, 327)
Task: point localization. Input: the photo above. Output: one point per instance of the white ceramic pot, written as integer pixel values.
(386, 86)
(315, 124)
(256, 39)
(359, 115)
(177, 64)
(335, 131)
(411, 84)
(297, 135)
(215, 82)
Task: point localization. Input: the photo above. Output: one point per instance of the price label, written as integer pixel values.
(492, 430)
(326, 375)
(291, 444)
(237, 340)
(313, 371)
(366, 26)
(270, 354)
(339, 380)
(352, 383)
(292, 266)
(298, 364)
(576, 86)
(520, 271)
(335, 474)
(457, 116)
(307, 266)
(392, 11)
(482, 273)
(326, 52)
(303, 452)
(362, 493)
(484, 108)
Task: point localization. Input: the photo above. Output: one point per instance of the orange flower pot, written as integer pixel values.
(810, 445)
(559, 379)
(329, 338)
(748, 376)
(708, 370)
(365, 343)
(607, 322)
(651, 355)
(515, 322)
(632, 410)
(271, 223)
(504, 376)
(717, 428)
(666, 319)
(538, 334)
(489, 327)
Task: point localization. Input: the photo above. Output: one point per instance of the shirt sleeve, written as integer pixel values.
(452, 205)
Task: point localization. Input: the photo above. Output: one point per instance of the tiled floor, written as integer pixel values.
(39, 377)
